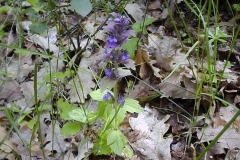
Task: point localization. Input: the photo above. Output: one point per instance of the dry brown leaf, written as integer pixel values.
(44, 43)
(172, 87)
(230, 138)
(10, 90)
(143, 58)
(85, 85)
(150, 141)
(168, 51)
(135, 11)
(6, 145)
(54, 141)
(17, 71)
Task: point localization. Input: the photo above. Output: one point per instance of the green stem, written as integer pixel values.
(115, 91)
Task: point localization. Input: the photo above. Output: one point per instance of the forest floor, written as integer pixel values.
(185, 78)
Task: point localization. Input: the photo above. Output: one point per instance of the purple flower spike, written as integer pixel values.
(107, 96)
(111, 41)
(125, 56)
(109, 73)
(121, 100)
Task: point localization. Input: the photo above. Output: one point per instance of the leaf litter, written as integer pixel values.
(150, 134)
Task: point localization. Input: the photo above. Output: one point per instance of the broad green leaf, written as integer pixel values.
(132, 105)
(116, 140)
(31, 123)
(38, 28)
(128, 151)
(65, 108)
(131, 46)
(78, 115)
(82, 116)
(70, 128)
(104, 110)
(5, 9)
(137, 27)
(148, 21)
(82, 7)
(100, 147)
(98, 95)
(44, 107)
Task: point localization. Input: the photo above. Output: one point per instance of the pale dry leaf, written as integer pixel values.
(56, 64)
(84, 146)
(143, 58)
(150, 141)
(230, 138)
(44, 43)
(168, 51)
(172, 87)
(69, 155)
(227, 113)
(17, 72)
(10, 90)
(85, 84)
(139, 90)
(91, 26)
(23, 149)
(27, 60)
(28, 92)
(156, 4)
(54, 141)
(25, 25)
(135, 11)
(6, 144)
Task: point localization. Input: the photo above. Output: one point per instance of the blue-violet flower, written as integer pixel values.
(121, 100)
(109, 73)
(107, 96)
(125, 56)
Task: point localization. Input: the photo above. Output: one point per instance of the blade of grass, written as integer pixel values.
(185, 57)
(21, 50)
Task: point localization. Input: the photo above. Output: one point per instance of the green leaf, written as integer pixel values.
(105, 110)
(98, 95)
(131, 46)
(148, 21)
(65, 108)
(70, 128)
(33, 2)
(132, 105)
(31, 123)
(100, 146)
(82, 116)
(5, 9)
(137, 27)
(45, 107)
(82, 7)
(116, 140)
(37, 28)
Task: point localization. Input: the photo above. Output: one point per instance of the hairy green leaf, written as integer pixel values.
(70, 128)
(132, 105)
(116, 140)
(82, 7)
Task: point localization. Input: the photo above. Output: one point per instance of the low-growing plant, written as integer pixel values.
(112, 103)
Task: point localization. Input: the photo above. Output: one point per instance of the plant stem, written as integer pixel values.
(115, 91)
